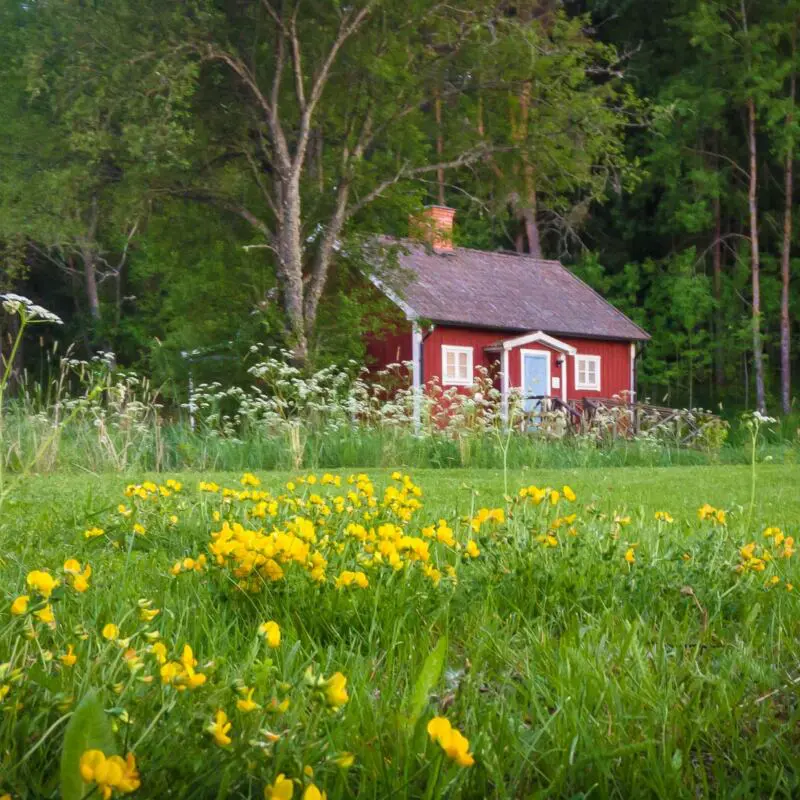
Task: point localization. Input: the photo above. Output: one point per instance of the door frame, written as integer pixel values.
(538, 353)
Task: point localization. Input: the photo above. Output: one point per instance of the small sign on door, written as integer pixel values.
(556, 383)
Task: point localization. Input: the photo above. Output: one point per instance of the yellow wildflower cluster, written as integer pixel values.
(150, 491)
(181, 674)
(537, 495)
(757, 558)
(497, 515)
(453, 742)
(715, 515)
(109, 772)
(308, 532)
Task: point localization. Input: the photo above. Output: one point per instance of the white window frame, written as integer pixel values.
(457, 351)
(587, 387)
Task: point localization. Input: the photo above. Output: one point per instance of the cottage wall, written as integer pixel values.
(615, 357)
(615, 366)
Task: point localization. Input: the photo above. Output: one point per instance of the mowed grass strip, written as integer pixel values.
(607, 655)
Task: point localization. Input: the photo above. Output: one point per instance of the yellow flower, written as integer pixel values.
(92, 533)
(20, 605)
(159, 650)
(312, 793)
(246, 703)
(454, 743)
(69, 658)
(77, 578)
(110, 772)
(345, 760)
(110, 631)
(663, 516)
(173, 520)
(46, 615)
(271, 632)
(139, 529)
(568, 493)
(630, 557)
(282, 789)
(349, 578)
(220, 728)
(148, 614)
(554, 497)
(472, 549)
(42, 582)
(335, 690)
(248, 479)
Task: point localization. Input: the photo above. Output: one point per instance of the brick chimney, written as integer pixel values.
(434, 226)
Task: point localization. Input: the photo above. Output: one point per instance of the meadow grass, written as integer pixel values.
(37, 443)
(612, 655)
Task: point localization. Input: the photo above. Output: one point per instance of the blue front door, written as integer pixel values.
(534, 380)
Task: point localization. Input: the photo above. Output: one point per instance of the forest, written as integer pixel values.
(201, 177)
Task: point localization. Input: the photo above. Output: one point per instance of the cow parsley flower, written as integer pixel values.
(22, 306)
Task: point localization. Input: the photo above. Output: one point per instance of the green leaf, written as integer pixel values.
(428, 677)
(88, 729)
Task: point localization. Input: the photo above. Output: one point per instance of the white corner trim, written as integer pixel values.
(416, 376)
(504, 387)
(585, 386)
(540, 337)
(458, 349)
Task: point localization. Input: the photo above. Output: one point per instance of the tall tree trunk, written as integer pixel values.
(752, 200)
(89, 257)
(531, 225)
(786, 252)
(439, 146)
(529, 202)
(719, 363)
(90, 282)
(290, 255)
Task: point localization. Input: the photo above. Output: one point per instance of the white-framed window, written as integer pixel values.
(587, 372)
(456, 365)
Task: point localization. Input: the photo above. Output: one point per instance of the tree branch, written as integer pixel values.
(227, 205)
(467, 157)
(349, 25)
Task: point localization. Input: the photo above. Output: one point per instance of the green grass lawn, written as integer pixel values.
(609, 655)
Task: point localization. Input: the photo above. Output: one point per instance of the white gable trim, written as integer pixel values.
(539, 337)
(411, 315)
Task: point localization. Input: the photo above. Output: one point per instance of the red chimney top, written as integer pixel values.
(435, 226)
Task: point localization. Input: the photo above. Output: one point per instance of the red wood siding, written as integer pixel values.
(390, 347)
(615, 363)
(615, 367)
(460, 337)
(615, 357)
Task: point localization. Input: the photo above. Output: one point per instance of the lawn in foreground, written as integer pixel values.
(611, 654)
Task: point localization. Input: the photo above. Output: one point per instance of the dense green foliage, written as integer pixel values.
(170, 181)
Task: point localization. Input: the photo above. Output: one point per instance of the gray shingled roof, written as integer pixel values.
(505, 291)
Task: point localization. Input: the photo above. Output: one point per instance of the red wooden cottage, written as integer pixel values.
(546, 332)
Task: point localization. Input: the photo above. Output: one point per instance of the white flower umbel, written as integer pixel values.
(24, 307)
